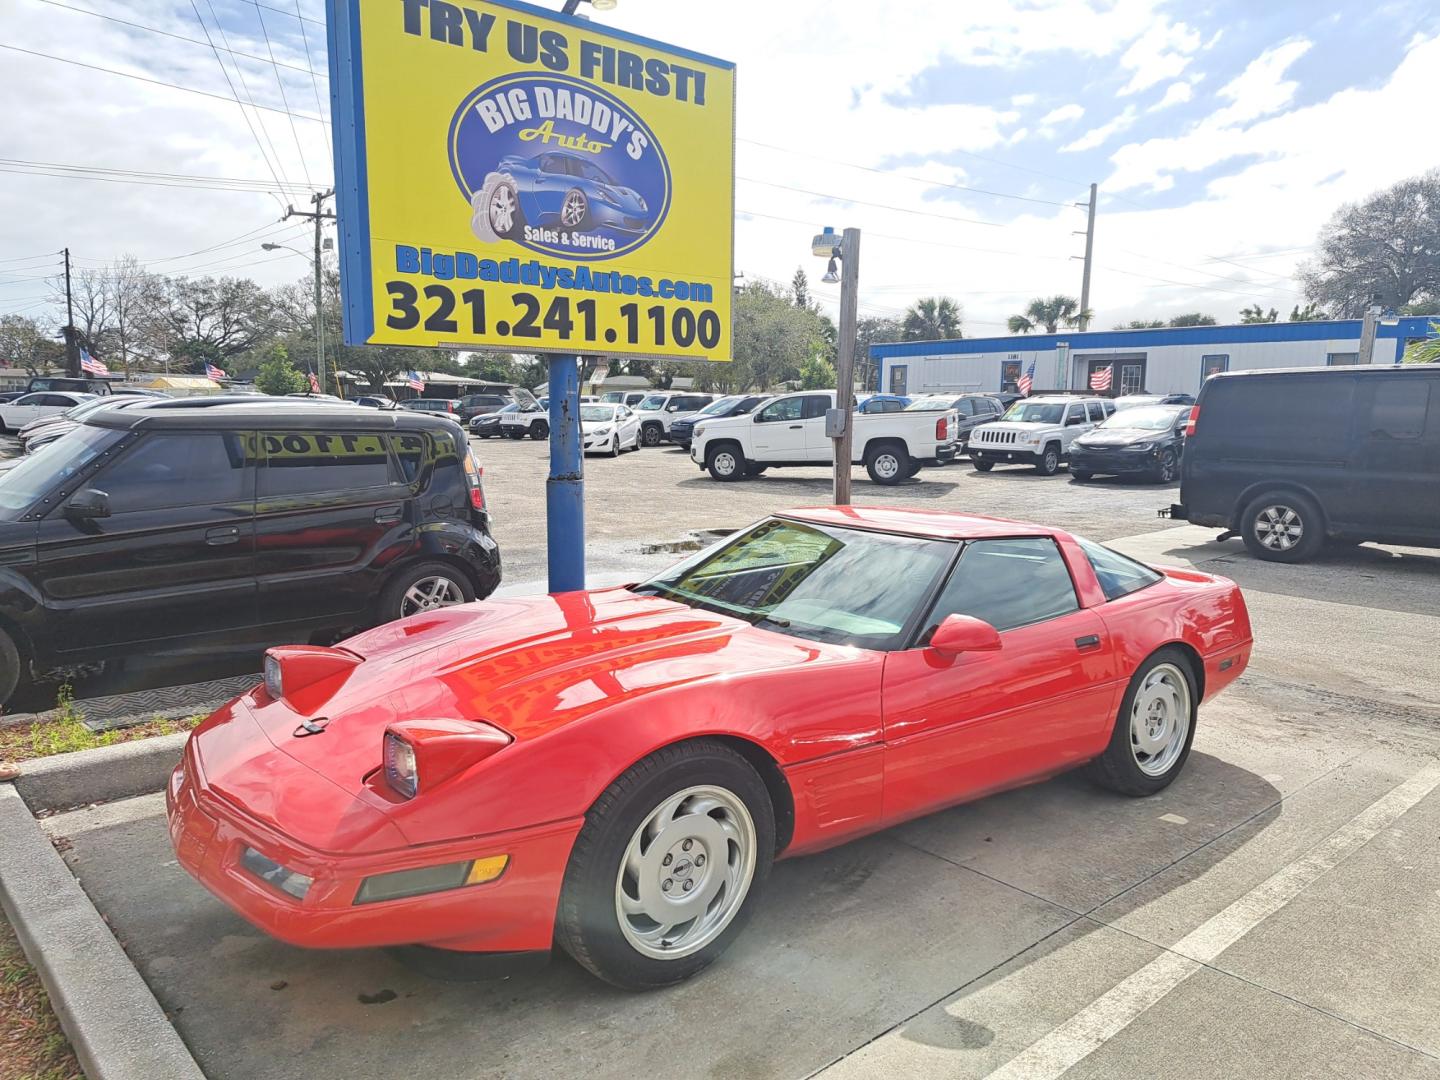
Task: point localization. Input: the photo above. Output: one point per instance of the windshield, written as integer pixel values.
(596, 414)
(1035, 412)
(1148, 419)
(838, 585)
(720, 406)
(928, 405)
(653, 403)
(37, 474)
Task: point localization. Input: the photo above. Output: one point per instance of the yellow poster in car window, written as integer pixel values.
(511, 178)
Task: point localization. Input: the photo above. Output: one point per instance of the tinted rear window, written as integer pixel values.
(1285, 416)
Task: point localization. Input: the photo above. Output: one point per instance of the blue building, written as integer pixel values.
(1168, 360)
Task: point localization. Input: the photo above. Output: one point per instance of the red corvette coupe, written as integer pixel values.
(616, 770)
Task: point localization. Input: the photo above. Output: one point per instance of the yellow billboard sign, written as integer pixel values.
(511, 178)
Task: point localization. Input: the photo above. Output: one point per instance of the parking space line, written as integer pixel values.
(1113, 1011)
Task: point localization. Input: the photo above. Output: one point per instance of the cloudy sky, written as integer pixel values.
(957, 136)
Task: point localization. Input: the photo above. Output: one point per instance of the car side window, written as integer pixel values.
(1399, 408)
(311, 463)
(1118, 575)
(965, 407)
(410, 454)
(190, 469)
(1109, 408)
(784, 409)
(552, 163)
(1007, 583)
(1096, 410)
(816, 406)
(1075, 414)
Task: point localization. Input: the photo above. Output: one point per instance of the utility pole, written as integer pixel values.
(72, 347)
(1089, 256)
(840, 421)
(1366, 355)
(319, 216)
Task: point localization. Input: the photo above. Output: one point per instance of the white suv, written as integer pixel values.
(659, 410)
(1037, 431)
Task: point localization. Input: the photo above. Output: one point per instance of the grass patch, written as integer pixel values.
(32, 1046)
(66, 732)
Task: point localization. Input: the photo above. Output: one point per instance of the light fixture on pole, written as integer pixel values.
(843, 249)
(599, 5)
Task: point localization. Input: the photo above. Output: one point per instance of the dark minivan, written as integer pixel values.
(143, 530)
(1289, 459)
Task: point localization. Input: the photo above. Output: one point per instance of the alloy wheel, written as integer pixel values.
(1279, 528)
(1160, 719)
(685, 872)
(429, 593)
(502, 209)
(573, 212)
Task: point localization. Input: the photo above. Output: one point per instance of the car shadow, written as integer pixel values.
(1342, 575)
(821, 487)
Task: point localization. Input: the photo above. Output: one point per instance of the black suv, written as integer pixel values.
(145, 529)
(1289, 459)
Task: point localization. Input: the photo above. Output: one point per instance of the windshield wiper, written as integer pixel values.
(774, 620)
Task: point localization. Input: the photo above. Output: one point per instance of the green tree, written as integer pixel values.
(23, 344)
(1050, 312)
(1256, 314)
(800, 290)
(1426, 351)
(1309, 313)
(1385, 248)
(1141, 324)
(1192, 318)
(932, 318)
(277, 377)
(817, 373)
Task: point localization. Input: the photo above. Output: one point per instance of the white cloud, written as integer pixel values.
(1161, 52)
(1177, 93)
(1022, 100)
(1063, 113)
(1098, 136)
(1262, 87)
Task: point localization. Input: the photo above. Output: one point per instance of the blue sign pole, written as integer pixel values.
(565, 488)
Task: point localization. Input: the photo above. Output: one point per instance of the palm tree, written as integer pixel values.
(1050, 312)
(934, 318)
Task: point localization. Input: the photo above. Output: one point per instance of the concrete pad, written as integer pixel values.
(1364, 941)
(844, 944)
(1216, 1027)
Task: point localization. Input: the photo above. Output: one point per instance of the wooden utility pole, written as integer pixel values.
(72, 347)
(319, 216)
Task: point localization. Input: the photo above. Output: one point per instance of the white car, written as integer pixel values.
(609, 428)
(790, 431)
(14, 415)
(529, 419)
(1037, 431)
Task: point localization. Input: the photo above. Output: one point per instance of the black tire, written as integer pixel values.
(539, 430)
(1049, 463)
(1268, 514)
(651, 434)
(1168, 467)
(756, 470)
(982, 466)
(726, 462)
(1118, 768)
(392, 604)
(517, 435)
(1080, 475)
(886, 463)
(12, 668)
(914, 468)
(587, 925)
(615, 445)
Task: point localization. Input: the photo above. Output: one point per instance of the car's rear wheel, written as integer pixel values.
(1154, 728)
(1049, 462)
(539, 430)
(12, 668)
(982, 466)
(1282, 526)
(725, 463)
(425, 587)
(668, 866)
(886, 464)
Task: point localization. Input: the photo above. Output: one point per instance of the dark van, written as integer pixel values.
(145, 529)
(1289, 459)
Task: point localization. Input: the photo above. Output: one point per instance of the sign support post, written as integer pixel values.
(565, 486)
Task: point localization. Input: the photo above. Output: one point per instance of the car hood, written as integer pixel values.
(1120, 437)
(587, 426)
(531, 666)
(1015, 425)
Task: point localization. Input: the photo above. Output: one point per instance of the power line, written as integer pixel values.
(293, 14)
(27, 258)
(913, 239)
(153, 82)
(178, 37)
(314, 82)
(864, 202)
(275, 170)
(284, 98)
(114, 175)
(1249, 295)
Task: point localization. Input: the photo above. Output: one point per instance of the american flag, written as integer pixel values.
(1100, 378)
(1027, 381)
(414, 381)
(314, 383)
(213, 372)
(91, 366)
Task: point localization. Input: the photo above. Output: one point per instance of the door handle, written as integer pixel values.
(228, 534)
(388, 515)
(1089, 641)
(796, 427)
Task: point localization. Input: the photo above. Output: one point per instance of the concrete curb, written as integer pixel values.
(114, 1023)
(100, 775)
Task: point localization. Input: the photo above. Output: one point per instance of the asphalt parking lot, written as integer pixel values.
(1275, 913)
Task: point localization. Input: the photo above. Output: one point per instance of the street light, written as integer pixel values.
(839, 421)
(598, 5)
(319, 312)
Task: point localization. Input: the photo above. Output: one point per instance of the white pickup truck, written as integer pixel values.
(790, 431)
(1037, 431)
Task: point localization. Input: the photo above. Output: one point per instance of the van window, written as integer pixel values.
(1399, 408)
(190, 469)
(1287, 416)
(308, 463)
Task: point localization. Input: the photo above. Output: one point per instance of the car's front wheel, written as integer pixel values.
(725, 463)
(1168, 467)
(1049, 461)
(1154, 728)
(981, 465)
(651, 434)
(539, 430)
(668, 866)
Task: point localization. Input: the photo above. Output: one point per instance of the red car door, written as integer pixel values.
(957, 727)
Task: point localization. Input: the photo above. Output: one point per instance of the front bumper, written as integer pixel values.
(1114, 462)
(1006, 453)
(595, 443)
(514, 913)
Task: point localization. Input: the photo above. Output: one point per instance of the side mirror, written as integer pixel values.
(963, 633)
(87, 504)
(1074, 420)
(673, 408)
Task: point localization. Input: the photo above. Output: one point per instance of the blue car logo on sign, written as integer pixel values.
(558, 166)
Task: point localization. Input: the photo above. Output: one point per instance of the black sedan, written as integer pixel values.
(1147, 441)
(488, 424)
